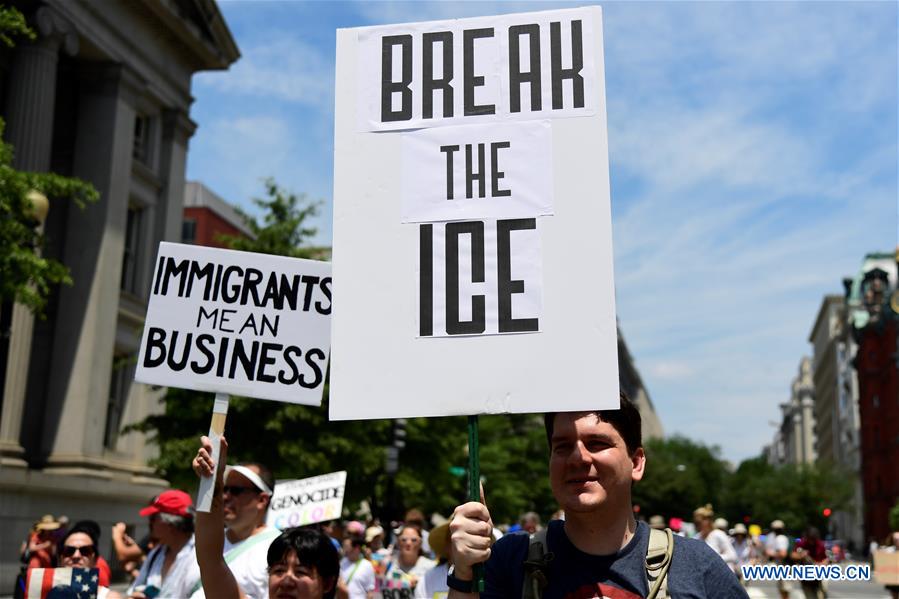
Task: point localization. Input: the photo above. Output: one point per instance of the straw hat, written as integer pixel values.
(740, 529)
(439, 540)
(47, 523)
(705, 511)
(373, 531)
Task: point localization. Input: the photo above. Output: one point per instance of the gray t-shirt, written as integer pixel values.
(696, 572)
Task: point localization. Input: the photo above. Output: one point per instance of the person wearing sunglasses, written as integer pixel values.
(246, 495)
(302, 562)
(78, 549)
(407, 566)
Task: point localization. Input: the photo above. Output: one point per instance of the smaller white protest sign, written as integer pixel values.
(499, 170)
(238, 323)
(306, 501)
(479, 278)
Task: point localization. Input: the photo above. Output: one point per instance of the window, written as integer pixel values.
(141, 147)
(188, 230)
(119, 386)
(132, 250)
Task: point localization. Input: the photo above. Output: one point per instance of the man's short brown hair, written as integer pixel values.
(626, 421)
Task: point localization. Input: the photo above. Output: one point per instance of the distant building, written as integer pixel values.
(632, 384)
(794, 442)
(207, 216)
(102, 94)
(836, 409)
(873, 300)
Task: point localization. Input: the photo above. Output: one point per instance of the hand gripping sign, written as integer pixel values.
(236, 323)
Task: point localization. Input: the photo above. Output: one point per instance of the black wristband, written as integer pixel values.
(463, 586)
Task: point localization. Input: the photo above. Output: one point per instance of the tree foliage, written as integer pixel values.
(284, 229)
(13, 25)
(682, 475)
(26, 276)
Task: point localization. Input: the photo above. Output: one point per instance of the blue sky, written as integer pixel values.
(754, 161)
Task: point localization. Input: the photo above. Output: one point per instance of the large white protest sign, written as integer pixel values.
(239, 323)
(507, 67)
(423, 310)
(498, 170)
(306, 501)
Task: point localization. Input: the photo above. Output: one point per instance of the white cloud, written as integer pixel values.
(280, 67)
(671, 369)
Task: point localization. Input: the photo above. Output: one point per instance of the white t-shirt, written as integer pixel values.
(433, 585)
(719, 541)
(775, 543)
(250, 567)
(359, 577)
(181, 577)
(743, 550)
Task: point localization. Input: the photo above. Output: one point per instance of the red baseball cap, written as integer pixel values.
(169, 502)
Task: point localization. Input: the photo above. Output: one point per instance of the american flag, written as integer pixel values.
(77, 582)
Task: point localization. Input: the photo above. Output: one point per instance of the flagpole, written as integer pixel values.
(474, 487)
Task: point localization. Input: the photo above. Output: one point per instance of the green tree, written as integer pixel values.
(284, 229)
(681, 475)
(894, 517)
(26, 276)
(796, 494)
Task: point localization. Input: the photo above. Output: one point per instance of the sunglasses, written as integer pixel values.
(236, 491)
(86, 551)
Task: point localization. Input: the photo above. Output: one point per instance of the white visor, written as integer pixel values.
(251, 476)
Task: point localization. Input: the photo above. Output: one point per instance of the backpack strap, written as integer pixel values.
(658, 560)
(536, 566)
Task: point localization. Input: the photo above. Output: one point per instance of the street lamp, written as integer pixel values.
(40, 205)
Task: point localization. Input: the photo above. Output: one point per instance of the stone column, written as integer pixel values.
(30, 106)
(84, 338)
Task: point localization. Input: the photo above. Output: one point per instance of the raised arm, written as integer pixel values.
(126, 549)
(217, 579)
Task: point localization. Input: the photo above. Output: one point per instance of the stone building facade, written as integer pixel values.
(631, 383)
(794, 441)
(836, 409)
(102, 94)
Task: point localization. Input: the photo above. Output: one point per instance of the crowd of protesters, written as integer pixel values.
(406, 559)
(230, 553)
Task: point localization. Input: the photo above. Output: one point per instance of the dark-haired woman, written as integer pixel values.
(302, 563)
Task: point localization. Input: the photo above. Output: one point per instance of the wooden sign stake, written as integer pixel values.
(216, 430)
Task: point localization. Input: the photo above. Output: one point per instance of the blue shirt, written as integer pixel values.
(696, 572)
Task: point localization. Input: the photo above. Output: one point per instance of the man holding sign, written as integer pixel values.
(246, 496)
(599, 550)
